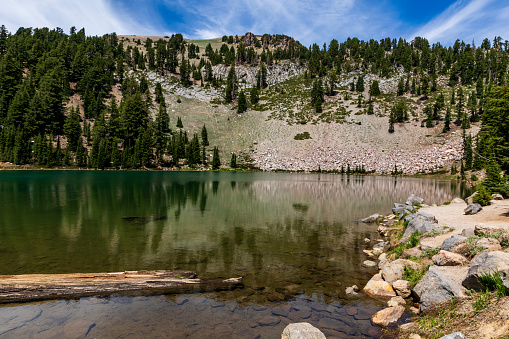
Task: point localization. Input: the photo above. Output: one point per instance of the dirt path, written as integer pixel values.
(496, 215)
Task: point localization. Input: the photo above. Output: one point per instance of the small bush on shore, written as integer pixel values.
(493, 282)
(482, 197)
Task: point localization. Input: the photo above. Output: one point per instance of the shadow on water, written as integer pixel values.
(294, 238)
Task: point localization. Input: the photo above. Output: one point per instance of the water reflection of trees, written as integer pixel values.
(276, 230)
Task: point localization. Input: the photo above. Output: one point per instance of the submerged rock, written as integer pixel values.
(301, 331)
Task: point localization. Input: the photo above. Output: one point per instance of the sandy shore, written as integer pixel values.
(496, 215)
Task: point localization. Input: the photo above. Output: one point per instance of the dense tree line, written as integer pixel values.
(42, 69)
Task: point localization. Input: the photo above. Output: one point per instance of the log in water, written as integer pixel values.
(31, 287)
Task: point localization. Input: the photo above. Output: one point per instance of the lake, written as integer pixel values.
(296, 239)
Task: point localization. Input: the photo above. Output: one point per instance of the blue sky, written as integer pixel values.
(308, 21)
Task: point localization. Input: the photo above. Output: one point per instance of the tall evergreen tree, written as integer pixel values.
(216, 162)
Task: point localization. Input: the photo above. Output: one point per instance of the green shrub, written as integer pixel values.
(493, 282)
(482, 197)
(474, 177)
(302, 136)
(414, 275)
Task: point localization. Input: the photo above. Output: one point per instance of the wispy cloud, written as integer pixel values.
(97, 16)
(308, 21)
(467, 20)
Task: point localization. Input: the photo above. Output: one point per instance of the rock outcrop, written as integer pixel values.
(484, 263)
(439, 285)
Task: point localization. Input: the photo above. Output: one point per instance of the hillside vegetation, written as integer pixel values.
(249, 101)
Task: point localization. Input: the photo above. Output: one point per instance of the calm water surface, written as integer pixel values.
(296, 240)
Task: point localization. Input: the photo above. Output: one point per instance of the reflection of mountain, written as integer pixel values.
(274, 229)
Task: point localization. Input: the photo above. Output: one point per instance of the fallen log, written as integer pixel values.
(34, 287)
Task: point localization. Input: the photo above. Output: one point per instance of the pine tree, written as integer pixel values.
(253, 96)
(391, 122)
(72, 129)
(241, 103)
(317, 95)
(233, 161)
(370, 109)
(447, 121)
(359, 86)
(216, 162)
(374, 89)
(161, 131)
(179, 123)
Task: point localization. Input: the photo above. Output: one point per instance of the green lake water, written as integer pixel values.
(296, 240)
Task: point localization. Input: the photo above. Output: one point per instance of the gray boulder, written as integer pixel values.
(413, 199)
(402, 209)
(371, 218)
(497, 196)
(395, 270)
(458, 201)
(472, 209)
(487, 262)
(440, 284)
(301, 331)
(452, 241)
(455, 335)
(422, 223)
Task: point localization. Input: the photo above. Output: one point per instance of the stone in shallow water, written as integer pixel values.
(301, 331)
(388, 316)
(379, 288)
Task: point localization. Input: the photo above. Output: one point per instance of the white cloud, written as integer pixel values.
(467, 20)
(97, 16)
(305, 20)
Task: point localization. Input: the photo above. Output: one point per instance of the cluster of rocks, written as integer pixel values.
(333, 159)
(451, 272)
(246, 75)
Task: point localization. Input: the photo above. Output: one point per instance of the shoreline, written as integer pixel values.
(420, 264)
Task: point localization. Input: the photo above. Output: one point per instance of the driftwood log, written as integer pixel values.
(31, 287)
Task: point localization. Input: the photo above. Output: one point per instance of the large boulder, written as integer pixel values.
(301, 331)
(439, 285)
(422, 223)
(402, 288)
(396, 270)
(473, 209)
(413, 199)
(497, 196)
(388, 316)
(378, 288)
(452, 241)
(458, 201)
(487, 262)
(371, 218)
(446, 258)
